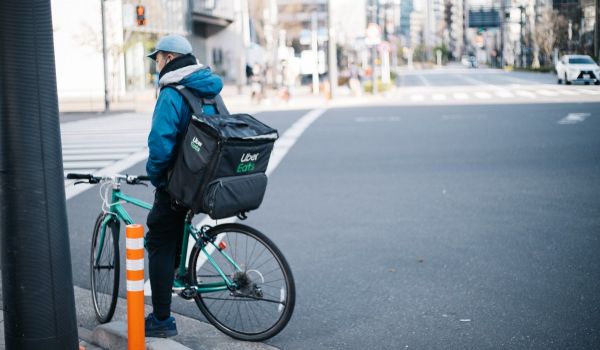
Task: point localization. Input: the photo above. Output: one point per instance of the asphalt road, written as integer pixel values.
(429, 227)
(459, 75)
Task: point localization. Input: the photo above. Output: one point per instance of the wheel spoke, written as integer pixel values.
(104, 271)
(254, 311)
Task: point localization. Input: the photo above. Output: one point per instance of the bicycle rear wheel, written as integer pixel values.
(263, 300)
(104, 268)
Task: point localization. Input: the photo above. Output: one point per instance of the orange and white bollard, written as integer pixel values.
(135, 287)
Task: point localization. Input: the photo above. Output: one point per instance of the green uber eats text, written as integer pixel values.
(196, 144)
(247, 163)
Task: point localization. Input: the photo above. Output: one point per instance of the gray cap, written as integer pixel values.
(172, 43)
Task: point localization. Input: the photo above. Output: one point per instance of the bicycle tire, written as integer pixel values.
(255, 269)
(105, 286)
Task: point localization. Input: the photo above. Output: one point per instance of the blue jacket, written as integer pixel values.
(172, 115)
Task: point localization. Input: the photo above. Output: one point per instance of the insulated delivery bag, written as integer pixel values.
(221, 161)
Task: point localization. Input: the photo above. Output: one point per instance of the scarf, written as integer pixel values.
(178, 62)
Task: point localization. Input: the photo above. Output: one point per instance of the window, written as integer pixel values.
(217, 54)
(581, 60)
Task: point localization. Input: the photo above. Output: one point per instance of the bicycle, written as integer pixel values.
(245, 295)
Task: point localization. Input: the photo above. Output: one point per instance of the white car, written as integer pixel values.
(577, 68)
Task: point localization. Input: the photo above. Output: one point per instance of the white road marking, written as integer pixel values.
(504, 94)
(589, 91)
(86, 164)
(423, 80)
(566, 92)
(109, 146)
(439, 97)
(483, 95)
(460, 96)
(525, 93)
(547, 93)
(574, 118)
(90, 157)
(102, 150)
(417, 97)
(115, 168)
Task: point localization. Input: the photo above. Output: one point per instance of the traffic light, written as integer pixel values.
(140, 12)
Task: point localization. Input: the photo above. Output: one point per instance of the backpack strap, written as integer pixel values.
(220, 105)
(196, 102)
(193, 101)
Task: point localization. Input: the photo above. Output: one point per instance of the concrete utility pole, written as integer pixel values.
(37, 285)
(374, 49)
(570, 34)
(242, 19)
(333, 71)
(104, 58)
(502, 26)
(315, 50)
(522, 33)
(465, 27)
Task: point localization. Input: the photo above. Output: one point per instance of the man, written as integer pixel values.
(175, 65)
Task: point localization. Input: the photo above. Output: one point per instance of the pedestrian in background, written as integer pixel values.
(175, 64)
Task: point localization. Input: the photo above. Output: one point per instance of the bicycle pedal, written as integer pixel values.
(188, 293)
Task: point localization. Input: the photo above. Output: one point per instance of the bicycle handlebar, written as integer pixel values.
(72, 176)
(89, 178)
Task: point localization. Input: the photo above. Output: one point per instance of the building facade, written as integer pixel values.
(213, 27)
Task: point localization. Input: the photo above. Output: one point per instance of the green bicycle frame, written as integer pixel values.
(118, 213)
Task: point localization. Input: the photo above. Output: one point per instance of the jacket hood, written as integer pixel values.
(196, 77)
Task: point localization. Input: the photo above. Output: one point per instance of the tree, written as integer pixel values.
(550, 32)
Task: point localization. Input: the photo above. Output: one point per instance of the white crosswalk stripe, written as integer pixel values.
(93, 144)
(566, 92)
(504, 94)
(525, 93)
(483, 95)
(547, 93)
(589, 91)
(460, 96)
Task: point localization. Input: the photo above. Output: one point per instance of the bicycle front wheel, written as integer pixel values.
(104, 268)
(262, 300)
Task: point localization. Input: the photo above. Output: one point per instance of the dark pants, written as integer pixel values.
(163, 241)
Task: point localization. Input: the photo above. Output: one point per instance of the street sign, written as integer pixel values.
(489, 18)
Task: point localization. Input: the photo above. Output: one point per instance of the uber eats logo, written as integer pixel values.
(247, 163)
(196, 144)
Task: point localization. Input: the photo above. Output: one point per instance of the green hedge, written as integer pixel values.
(536, 70)
(368, 86)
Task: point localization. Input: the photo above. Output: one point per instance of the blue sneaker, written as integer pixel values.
(160, 329)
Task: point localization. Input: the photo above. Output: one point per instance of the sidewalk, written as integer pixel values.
(236, 101)
(193, 334)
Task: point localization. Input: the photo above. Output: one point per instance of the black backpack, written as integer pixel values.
(221, 162)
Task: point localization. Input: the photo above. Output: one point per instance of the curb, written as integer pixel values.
(193, 333)
(113, 335)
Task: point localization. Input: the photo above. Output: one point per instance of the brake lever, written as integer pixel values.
(79, 182)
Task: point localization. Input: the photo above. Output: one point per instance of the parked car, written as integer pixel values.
(577, 68)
